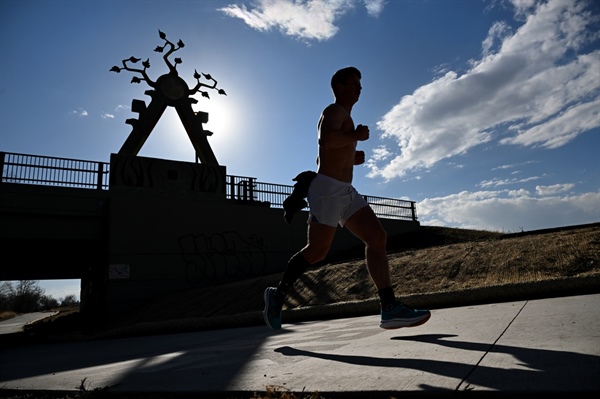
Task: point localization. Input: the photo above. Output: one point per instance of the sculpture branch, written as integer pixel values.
(172, 68)
(135, 60)
(172, 49)
(199, 84)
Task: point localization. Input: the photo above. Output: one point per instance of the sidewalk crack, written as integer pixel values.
(467, 386)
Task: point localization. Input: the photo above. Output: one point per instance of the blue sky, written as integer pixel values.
(486, 113)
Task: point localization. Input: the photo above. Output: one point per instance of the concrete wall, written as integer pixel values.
(162, 243)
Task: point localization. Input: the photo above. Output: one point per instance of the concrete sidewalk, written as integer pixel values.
(16, 324)
(530, 346)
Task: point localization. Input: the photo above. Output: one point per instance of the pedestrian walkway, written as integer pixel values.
(17, 323)
(535, 346)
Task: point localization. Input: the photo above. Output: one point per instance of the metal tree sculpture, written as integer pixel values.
(168, 90)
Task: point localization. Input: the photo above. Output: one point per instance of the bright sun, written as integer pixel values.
(220, 118)
(224, 121)
(169, 140)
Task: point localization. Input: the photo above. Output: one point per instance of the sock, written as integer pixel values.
(387, 298)
(296, 266)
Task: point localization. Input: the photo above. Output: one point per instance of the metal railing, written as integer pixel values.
(64, 172)
(51, 171)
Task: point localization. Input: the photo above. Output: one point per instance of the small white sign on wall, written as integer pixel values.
(118, 271)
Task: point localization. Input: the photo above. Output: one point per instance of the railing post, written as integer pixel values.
(240, 190)
(251, 183)
(100, 176)
(230, 190)
(245, 189)
(413, 209)
(2, 155)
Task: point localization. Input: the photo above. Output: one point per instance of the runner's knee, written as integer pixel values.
(377, 239)
(313, 254)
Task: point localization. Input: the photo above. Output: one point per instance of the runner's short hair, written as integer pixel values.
(342, 75)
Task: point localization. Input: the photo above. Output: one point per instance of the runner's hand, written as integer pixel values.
(359, 157)
(362, 132)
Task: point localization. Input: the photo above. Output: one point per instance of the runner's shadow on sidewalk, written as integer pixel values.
(534, 370)
(544, 369)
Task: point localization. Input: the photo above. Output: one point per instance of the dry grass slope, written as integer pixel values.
(480, 261)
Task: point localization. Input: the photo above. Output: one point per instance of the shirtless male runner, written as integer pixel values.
(333, 200)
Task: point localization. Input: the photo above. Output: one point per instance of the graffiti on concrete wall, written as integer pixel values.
(222, 256)
(133, 172)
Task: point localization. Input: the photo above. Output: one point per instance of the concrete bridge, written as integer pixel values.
(138, 228)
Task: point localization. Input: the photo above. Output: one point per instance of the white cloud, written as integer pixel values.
(374, 7)
(495, 34)
(512, 166)
(380, 153)
(509, 210)
(80, 112)
(523, 7)
(539, 87)
(302, 19)
(119, 108)
(564, 127)
(495, 182)
(554, 189)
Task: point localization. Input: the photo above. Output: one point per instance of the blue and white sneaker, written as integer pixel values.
(272, 311)
(403, 316)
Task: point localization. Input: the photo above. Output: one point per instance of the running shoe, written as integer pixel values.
(402, 316)
(272, 312)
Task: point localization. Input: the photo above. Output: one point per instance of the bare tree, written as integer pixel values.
(27, 296)
(48, 302)
(69, 300)
(6, 293)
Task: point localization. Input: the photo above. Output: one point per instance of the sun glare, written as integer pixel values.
(224, 121)
(219, 117)
(169, 140)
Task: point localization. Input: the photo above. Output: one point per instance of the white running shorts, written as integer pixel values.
(332, 202)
